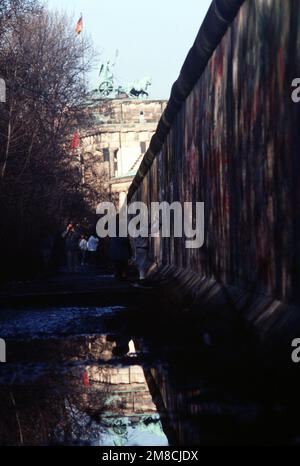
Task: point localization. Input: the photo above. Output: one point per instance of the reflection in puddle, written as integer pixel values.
(131, 417)
(73, 377)
(75, 390)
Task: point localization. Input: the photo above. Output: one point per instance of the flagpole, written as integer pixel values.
(82, 44)
(84, 83)
(79, 30)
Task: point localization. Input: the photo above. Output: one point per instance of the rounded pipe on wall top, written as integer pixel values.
(220, 15)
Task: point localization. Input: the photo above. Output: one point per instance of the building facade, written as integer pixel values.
(114, 138)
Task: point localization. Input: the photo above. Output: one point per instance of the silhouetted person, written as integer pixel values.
(120, 253)
(47, 247)
(72, 237)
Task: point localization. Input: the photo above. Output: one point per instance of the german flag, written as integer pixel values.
(79, 26)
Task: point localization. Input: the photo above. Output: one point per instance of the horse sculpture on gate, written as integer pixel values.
(138, 88)
(107, 89)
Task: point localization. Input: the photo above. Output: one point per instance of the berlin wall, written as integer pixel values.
(230, 138)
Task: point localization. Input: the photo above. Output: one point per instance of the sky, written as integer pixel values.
(152, 37)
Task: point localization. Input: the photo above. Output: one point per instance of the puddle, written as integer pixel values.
(63, 321)
(111, 376)
(69, 380)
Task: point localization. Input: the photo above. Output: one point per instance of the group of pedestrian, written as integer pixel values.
(125, 253)
(80, 248)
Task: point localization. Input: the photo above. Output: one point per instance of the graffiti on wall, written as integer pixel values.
(235, 146)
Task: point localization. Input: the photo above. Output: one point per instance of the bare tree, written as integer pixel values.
(41, 60)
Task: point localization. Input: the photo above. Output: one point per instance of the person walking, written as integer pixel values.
(47, 247)
(71, 237)
(120, 254)
(141, 259)
(92, 248)
(83, 246)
